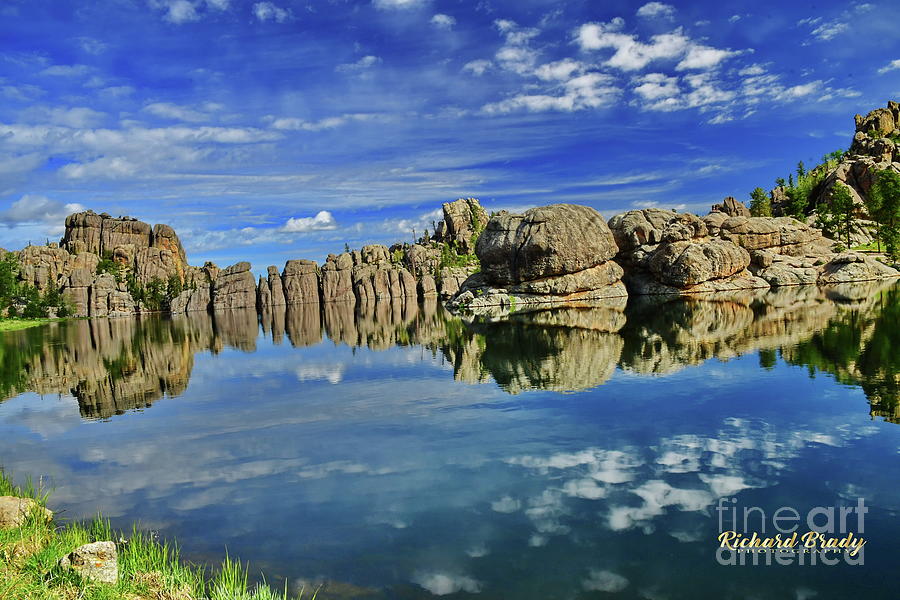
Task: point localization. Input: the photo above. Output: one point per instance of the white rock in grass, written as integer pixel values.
(98, 561)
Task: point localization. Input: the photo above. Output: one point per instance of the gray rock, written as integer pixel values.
(300, 282)
(97, 561)
(235, 287)
(685, 264)
(544, 242)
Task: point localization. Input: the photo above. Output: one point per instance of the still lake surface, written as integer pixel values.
(397, 451)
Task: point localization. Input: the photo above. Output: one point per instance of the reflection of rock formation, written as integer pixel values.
(114, 365)
(849, 331)
(562, 350)
(858, 347)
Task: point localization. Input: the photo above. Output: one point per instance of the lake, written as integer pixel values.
(397, 451)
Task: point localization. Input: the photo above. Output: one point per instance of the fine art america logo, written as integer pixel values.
(827, 535)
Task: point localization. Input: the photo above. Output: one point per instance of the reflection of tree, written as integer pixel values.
(859, 347)
(17, 350)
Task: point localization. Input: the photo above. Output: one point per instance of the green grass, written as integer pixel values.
(16, 324)
(148, 569)
(870, 247)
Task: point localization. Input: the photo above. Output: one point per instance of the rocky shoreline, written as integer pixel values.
(562, 253)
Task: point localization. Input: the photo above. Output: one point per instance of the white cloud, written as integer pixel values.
(267, 11)
(703, 57)
(478, 67)
(824, 30)
(827, 31)
(654, 86)
(107, 167)
(323, 221)
(656, 10)
(179, 11)
(630, 54)
(295, 124)
(891, 66)
(167, 110)
(66, 70)
(443, 21)
(118, 91)
(218, 4)
(559, 70)
(92, 45)
(799, 91)
(76, 117)
(592, 90)
(752, 70)
(37, 209)
(363, 63)
(398, 4)
(516, 55)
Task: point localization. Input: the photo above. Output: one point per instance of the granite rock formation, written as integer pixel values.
(556, 253)
(463, 220)
(234, 287)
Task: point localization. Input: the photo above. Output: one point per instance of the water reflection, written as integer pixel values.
(848, 331)
(410, 454)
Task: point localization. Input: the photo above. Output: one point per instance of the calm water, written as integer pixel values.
(400, 452)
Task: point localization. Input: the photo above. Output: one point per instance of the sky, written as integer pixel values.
(281, 129)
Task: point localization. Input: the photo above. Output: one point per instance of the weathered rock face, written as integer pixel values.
(151, 252)
(235, 287)
(463, 220)
(874, 148)
(732, 208)
(684, 264)
(14, 512)
(544, 242)
(97, 561)
(300, 282)
(337, 278)
(665, 252)
(44, 266)
(555, 253)
(852, 266)
(193, 300)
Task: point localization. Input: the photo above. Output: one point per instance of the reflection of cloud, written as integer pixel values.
(441, 584)
(604, 581)
(330, 373)
(506, 505)
(477, 551)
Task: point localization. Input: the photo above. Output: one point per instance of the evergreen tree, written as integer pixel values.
(760, 203)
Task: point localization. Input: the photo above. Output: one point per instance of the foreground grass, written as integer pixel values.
(16, 324)
(148, 569)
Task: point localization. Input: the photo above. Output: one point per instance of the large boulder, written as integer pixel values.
(235, 287)
(852, 266)
(557, 253)
(543, 242)
(684, 264)
(14, 511)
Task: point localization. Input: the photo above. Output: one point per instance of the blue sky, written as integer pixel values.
(285, 129)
